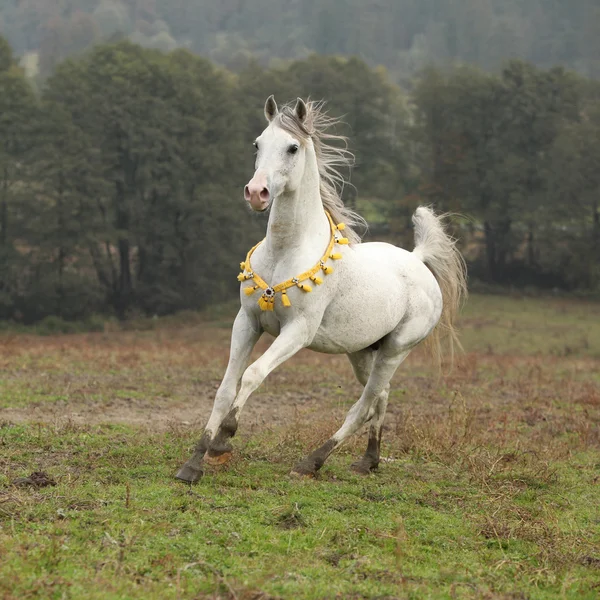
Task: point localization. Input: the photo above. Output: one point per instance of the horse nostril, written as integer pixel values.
(264, 194)
(246, 193)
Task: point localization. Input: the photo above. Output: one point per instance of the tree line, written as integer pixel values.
(121, 177)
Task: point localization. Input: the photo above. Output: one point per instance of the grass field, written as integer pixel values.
(490, 486)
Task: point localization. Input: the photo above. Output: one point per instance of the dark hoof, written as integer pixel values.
(189, 474)
(303, 472)
(363, 467)
(217, 459)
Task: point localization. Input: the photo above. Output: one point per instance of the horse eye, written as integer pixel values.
(255, 144)
(293, 149)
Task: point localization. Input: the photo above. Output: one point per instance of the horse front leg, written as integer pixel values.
(244, 335)
(292, 338)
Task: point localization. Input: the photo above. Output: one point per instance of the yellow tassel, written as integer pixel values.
(342, 241)
(284, 299)
(341, 226)
(335, 256)
(241, 277)
(327, 269)
(316, 279)
(263, 303)
(243, 266)
(250, 290)
(271, 302)
(305, 287)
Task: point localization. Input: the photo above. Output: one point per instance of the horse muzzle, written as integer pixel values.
(257, 192)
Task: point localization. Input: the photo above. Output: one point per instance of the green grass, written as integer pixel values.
(531, 326)
(118, 526)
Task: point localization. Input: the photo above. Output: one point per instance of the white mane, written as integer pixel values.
(330, 159)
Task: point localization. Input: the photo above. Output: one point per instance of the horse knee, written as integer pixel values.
(252, 378)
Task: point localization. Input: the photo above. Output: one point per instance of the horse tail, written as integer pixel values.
(437, 249)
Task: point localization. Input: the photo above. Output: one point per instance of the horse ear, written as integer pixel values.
(270, 108)
(300, 110)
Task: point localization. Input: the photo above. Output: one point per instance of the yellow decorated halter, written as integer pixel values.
(267, 299)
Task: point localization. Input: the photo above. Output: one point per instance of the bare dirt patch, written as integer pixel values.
(153, 379)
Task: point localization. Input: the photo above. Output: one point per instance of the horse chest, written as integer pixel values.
(270, 323)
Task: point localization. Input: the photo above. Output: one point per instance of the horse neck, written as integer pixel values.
(298, 219)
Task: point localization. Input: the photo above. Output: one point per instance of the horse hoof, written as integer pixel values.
(216, 460)
(302, 473)
(362, 468)
(189, 474)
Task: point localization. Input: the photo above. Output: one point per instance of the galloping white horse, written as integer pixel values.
(312, 284)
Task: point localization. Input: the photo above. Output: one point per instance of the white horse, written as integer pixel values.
(310, 287)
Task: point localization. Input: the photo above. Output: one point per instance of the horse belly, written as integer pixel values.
(362, 314)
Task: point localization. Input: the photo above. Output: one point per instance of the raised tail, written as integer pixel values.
(437, 249)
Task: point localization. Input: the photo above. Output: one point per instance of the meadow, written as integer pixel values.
(489, 487)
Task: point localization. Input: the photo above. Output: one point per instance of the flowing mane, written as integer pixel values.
(330, 159)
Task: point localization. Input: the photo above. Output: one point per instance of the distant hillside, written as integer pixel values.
(402, 35)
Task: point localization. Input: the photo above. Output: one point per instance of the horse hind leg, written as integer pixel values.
(370, 460)
(377, 385)
(362, 363)
(402, 341)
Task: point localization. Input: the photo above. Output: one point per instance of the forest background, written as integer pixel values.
(126, 132)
